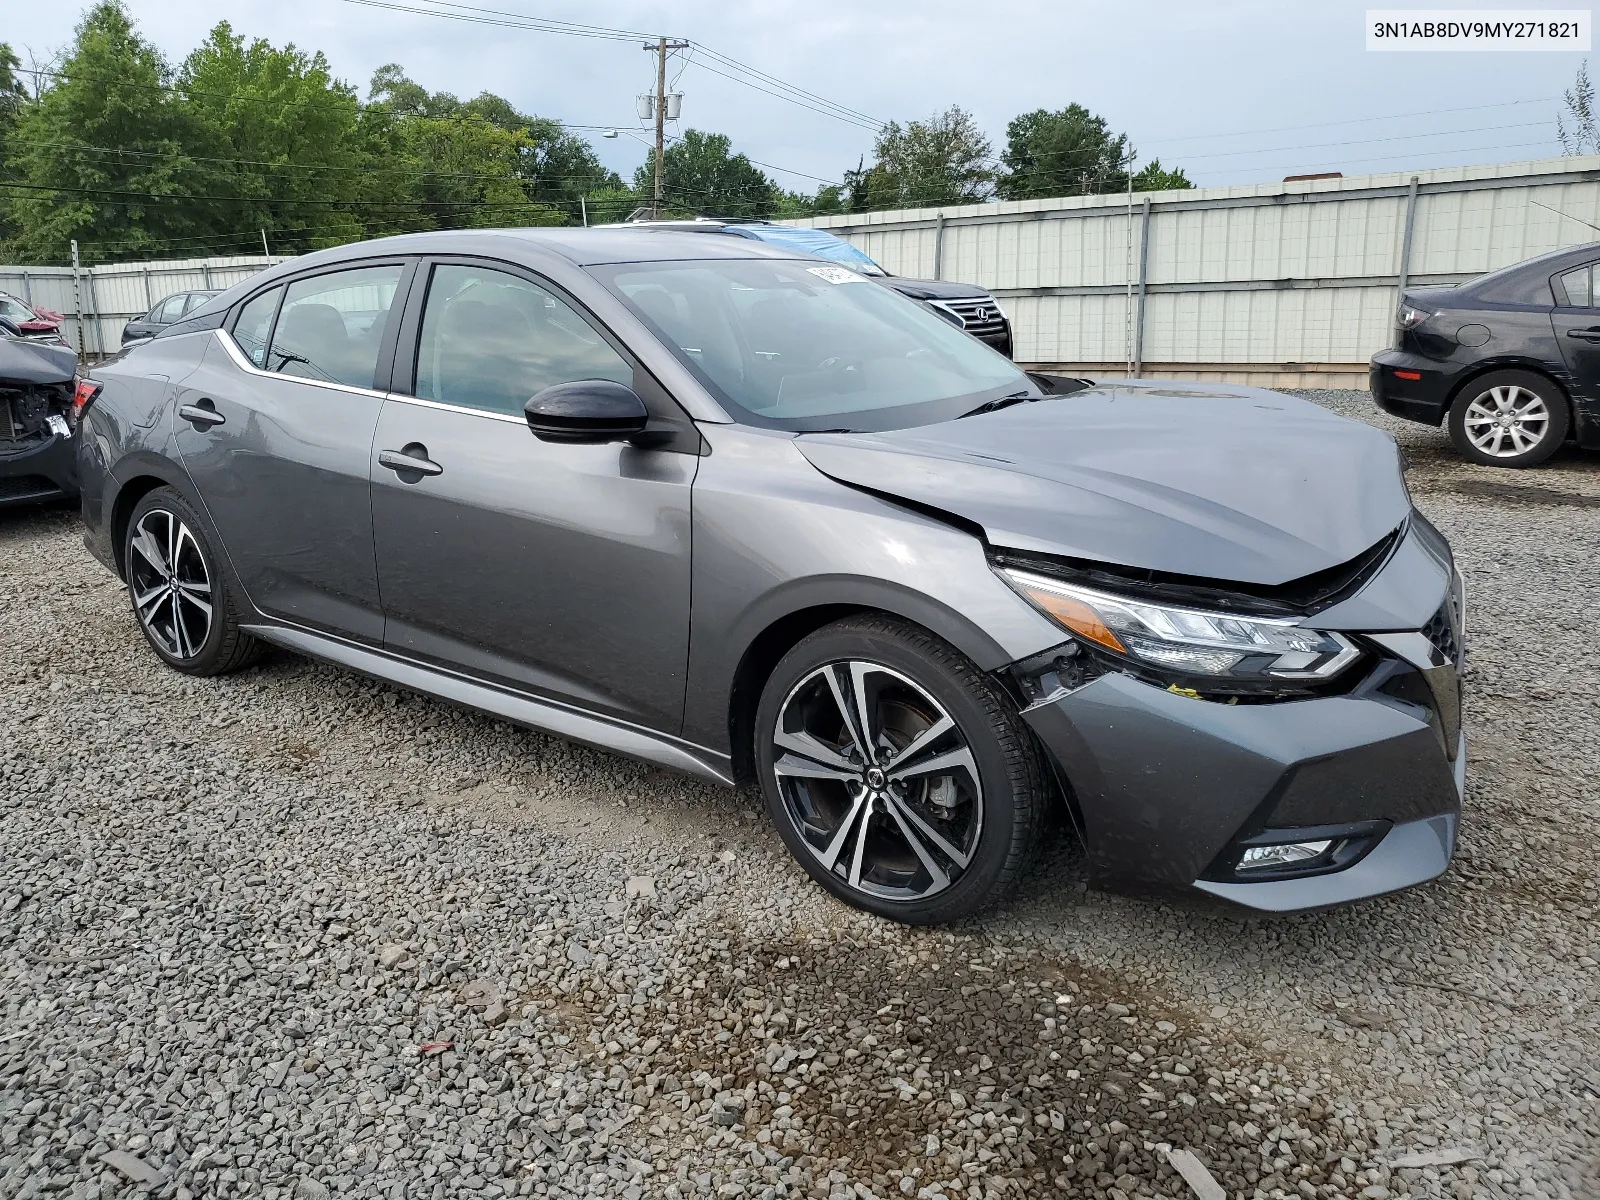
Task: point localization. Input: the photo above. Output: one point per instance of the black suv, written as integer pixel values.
(1510, 361)
(963, 304)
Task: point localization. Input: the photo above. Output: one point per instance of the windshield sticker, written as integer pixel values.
(837, 275)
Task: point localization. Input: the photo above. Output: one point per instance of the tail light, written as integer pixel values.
(82, 397)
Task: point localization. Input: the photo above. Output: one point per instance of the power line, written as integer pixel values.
(285, 167)
(1432, 112)
(488, 16)
(1399, 137)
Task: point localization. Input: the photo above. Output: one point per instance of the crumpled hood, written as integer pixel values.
(1223, 483)
(36, 362)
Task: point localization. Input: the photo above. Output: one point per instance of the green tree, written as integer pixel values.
(943, 160)
(701, 175)
(554, 167)
(280, 142)
(1070, 152)
(1153, 177)
(12, 98)
(1577, 128)
(99, 154)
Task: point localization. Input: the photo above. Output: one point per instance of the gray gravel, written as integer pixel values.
(294, 933)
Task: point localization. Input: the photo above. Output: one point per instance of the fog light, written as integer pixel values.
(1287, 854)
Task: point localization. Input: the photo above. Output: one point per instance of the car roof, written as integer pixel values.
(594, 246)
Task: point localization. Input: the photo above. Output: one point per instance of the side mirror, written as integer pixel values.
(586, 410)
(10, 328)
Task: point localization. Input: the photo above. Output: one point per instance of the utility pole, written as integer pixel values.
(661, 48)
(267, 253)
(77, 299)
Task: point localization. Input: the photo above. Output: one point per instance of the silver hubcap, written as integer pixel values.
(170, 586)
(1507, 421)
(878, 780)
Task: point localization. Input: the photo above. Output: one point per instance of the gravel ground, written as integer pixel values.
(293, 933)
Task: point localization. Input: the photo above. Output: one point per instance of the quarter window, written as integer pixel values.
(331, 325)
(1579, 286)
(490, 340)
(255, 319)
(172, 308)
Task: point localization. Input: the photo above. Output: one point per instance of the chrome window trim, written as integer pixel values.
(464, 410)
(242, 361)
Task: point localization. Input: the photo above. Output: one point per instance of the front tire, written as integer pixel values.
(181, 599)
(1509, 419)
(899, 775)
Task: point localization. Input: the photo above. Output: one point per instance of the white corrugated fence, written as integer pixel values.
(99, 301)
(1286, 284)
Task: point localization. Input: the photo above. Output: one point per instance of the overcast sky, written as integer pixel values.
(1232, 91)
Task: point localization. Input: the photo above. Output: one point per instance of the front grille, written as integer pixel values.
(980, 316)
(1441, 631)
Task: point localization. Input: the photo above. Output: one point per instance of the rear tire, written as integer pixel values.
(939, 816)
(1509, 419)
(182, 600)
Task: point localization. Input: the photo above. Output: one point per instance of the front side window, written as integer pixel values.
(801, 346)
(491, 340)
(331, 325)
(1579, 286)
(255, 319)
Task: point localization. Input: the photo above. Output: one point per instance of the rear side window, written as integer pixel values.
(490, 340)
(1579, 286)
(171, 308)
(331, 325)
(196, 299)
(255, 320)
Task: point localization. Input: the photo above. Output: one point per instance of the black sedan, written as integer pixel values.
(169, 311)
(1511, 361)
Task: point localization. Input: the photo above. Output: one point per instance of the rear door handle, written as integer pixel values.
(1585, 335)
(202, 415)
(413, 460)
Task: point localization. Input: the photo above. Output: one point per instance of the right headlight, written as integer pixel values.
(1188, 641)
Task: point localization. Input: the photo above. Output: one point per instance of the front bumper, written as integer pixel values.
(1424, 398)
(46, 470)
(1167, 787)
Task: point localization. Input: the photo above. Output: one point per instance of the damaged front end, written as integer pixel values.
(37, 387)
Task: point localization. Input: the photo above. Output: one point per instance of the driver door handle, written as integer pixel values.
(202, 415)
(417, 463)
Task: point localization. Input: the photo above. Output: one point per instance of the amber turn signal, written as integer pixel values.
(1075, 615)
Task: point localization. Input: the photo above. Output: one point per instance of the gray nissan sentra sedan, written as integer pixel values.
(744, 514)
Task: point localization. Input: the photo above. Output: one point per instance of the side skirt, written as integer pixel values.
(543, 715)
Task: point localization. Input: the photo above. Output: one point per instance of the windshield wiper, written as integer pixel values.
(995, 405)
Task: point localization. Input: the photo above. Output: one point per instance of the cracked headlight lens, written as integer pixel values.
(1187, 641)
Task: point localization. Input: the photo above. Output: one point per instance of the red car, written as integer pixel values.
(32, 322)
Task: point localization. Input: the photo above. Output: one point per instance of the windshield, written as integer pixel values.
(814, 241)
(801, 346)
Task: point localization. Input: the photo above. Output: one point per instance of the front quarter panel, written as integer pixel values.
(773, 537)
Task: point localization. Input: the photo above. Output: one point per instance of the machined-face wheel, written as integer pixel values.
(1506, 421)
(878, 780)
(169, 583)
